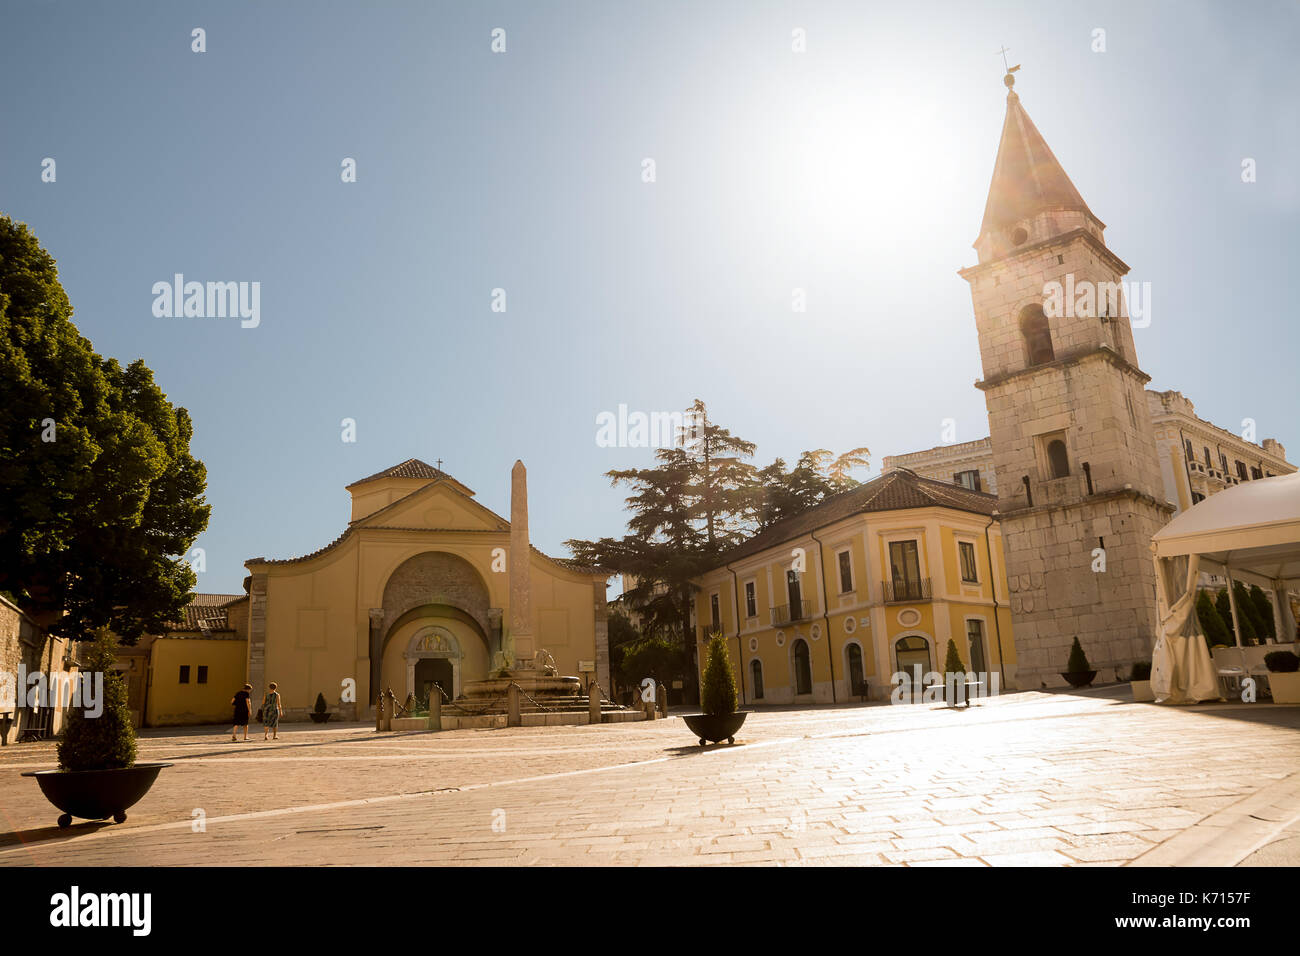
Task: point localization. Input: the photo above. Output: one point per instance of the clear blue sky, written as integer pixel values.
(856, 171)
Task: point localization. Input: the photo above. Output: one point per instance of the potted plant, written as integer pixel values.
(954, 676)
(720, 719)
(319, 714)
(1283, 676)
(98, 776)
(1077, 670)
(1139, 682)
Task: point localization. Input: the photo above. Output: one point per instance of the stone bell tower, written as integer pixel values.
(1079, 487)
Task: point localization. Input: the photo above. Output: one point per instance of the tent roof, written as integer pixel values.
(1253, 526)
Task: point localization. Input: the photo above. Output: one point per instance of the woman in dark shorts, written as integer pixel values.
(241, 701)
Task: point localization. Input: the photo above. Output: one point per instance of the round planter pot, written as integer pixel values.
(715, 728)
(319, 718)
(96, 794)
(1079, 678)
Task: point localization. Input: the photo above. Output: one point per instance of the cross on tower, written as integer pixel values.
(1004, 51)
(439, 461)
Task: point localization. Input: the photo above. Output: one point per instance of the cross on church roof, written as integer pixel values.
(1009, 80)
(439, 461)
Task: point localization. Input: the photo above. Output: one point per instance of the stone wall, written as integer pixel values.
(22, 642)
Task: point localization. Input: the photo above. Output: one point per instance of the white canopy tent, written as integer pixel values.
(1250, 533)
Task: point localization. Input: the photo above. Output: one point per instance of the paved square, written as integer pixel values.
(1065, 779)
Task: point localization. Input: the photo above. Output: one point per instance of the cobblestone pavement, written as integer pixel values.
(1026, 779)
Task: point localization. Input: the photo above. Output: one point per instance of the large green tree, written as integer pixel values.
(699, 500)
(100, 499)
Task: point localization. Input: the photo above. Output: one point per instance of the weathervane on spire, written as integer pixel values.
(1009, 79)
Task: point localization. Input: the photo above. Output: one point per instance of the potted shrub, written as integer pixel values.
(720, 719)
(1139, 682)
(1283, 676)
(98, 776)
(319, 714)
(1077, 670)
(954, 676)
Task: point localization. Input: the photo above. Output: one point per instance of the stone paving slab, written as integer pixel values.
(1028, 779)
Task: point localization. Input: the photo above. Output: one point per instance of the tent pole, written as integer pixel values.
(1232, 603)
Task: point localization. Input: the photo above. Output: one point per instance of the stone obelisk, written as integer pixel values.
(521, 601)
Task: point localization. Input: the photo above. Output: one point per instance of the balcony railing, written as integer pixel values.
(789, 613)
(906, 592)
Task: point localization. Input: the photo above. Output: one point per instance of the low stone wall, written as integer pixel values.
(567, 719)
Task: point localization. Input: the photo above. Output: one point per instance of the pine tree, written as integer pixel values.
(1245, 615)
(1078, 662)
(1264, 623)
(952, 662)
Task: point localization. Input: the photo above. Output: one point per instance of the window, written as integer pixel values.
(966, 551)
(1053, 459)
(793, 592)
(203, 674)
(1223, 460)
(751, 600)
(1256, 473)
(802, 668)
(1207, 457)
(912, 657)
(756, 678)
(715, 612)
(1187, 446)
(846, 573)
(905, 570)
(1241, 469)
(975, 637)
(1037, 335)
(185, 673)
(967, 479)
(1197, 497)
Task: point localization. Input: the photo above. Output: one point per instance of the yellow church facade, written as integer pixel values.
(414, 592)
(827, 606)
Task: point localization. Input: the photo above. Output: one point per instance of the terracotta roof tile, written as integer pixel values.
(411, 468)
(896, 490)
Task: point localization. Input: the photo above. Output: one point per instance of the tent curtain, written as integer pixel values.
(1182, 669)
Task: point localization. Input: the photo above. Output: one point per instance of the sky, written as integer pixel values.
(855, 171)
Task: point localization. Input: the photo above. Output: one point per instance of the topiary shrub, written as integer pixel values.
(952, 660)
(1216, 632)
(1078, 662)
(1245, 615)
(718, 691)
(320, 704)
(1282, 662)
(105, 742)
(1264, 623)
(1225, 614)
(1141, 671)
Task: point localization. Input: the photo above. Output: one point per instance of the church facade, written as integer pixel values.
(414, 592)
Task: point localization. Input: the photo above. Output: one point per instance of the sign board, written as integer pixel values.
(677, 685)
(585, 667)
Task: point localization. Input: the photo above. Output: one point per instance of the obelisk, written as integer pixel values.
(521, 601)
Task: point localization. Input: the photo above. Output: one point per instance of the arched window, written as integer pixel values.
(857, 684)
(802, 668)
(1057, 458)
(756, 677)
(1037, 335)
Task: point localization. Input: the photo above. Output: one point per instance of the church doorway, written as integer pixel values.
(430, 671)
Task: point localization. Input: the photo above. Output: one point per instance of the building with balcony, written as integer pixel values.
(827, 606)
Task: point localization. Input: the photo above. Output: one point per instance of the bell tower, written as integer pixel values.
(1079, 487)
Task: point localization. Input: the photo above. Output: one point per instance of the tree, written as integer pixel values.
(1216, 632)
(720, 478)
(100, 499)
(952, 663)
(1078, 660)
(1264, 623)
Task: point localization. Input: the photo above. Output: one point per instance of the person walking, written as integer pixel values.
(241, 702)
(272, 710)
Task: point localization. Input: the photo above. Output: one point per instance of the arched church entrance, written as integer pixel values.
(433, 657)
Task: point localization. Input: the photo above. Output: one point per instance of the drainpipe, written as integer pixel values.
(993, 589)
(830, 651)
(740, 650)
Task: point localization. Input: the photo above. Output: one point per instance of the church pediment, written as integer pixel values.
(437, 506)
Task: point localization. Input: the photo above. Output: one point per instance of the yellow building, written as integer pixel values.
(828, 605)
(413, 592)
(194, 668)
